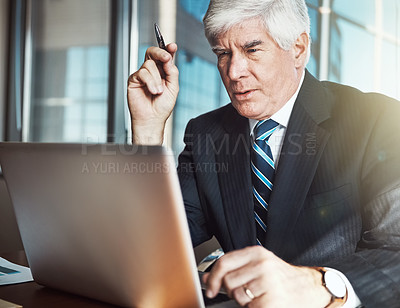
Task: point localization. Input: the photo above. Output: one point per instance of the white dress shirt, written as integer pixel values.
(282, 117)
(275, 142)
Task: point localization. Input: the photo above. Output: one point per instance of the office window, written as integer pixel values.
(196, 8)
(70, 62)
(359, 11)
(201, 88)
(68, 66)
(313, 65)
(314, 3)
(74, 106)
(362, 43)
(87, 88)
(390, 63)
(351, 55)
(391, 17)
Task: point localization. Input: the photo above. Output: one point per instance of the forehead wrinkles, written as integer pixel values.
(242, 42)
(244, 46)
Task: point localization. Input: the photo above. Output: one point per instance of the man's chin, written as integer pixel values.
(250, 110)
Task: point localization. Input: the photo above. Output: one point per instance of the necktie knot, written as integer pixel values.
(264, 129)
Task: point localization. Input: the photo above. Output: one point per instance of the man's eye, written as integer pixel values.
(251, 50)
(222, 54)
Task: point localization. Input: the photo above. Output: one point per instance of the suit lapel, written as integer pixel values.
(235, 185)
(303, 146)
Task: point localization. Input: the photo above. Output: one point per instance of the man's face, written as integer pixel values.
(259, 76)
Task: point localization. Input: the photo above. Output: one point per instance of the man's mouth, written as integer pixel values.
(243, 95)
(243, 92)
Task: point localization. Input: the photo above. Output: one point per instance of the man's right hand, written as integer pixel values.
(152, 93)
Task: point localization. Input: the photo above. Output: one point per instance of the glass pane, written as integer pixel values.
(201, 90)
(312, 65)
(360, 11)
(391, 17)
(351, 55)
(70, 70)
(314, 2)
(196, 8)
(390, 73)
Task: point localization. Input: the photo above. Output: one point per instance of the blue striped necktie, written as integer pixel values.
(263, 172)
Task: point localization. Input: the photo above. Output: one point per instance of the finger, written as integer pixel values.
(261, 301)
(165, 62)
(172, 49)
(240, 296)
(230, 262)
(143, 78)
(213, 279)
(169, 68)
(256, 287)
(242, 276)
(205, 277)
(226, 264)
(248, 292)
(155, 74)
(157, 54)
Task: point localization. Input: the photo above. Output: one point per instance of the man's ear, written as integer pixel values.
(301, 49)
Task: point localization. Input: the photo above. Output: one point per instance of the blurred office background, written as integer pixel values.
(64, 63)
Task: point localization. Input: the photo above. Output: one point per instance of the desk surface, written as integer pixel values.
(33, 295)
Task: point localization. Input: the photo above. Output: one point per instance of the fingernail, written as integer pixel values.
(160, 89)
(209, 293)
(154, 89)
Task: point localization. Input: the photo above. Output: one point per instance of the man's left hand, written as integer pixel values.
(256, 277)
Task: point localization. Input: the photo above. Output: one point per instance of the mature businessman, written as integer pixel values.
(313, 168)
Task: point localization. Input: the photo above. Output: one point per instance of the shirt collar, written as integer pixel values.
(282, 116)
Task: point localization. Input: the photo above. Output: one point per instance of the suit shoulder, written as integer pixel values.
(215, 114)
(211, 120)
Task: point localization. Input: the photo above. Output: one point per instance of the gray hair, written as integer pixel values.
(284, 20)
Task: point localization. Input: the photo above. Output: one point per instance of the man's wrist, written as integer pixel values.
(316, 294)
(334, 285)
(148, 135)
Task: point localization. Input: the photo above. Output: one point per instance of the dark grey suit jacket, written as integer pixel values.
(336, 196)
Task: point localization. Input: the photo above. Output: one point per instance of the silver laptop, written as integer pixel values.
(103, 221)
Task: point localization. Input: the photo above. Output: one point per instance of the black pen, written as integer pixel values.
(159, 37)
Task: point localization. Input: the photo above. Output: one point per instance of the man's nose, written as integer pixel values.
(238, 67)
